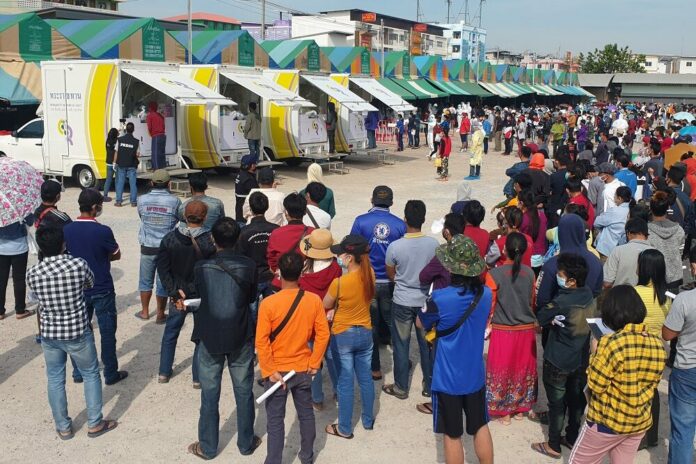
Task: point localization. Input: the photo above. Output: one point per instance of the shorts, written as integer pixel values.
(449, 412)
(463, 137)
(146, 280)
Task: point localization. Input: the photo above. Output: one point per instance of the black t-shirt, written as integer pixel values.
(49, 216)
(127, 151)
(243, 184)
(110, 150)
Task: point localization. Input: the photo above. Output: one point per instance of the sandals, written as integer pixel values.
(163, 378)
(539, 417)
(392, 390)
(425, 408)
(139, 315)
(332, 429)
(105, 427)
(543, 448)
(25, 314)
(195, 449)
(66, 434)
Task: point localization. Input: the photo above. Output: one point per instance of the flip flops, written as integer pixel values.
(25, 314)
(66, 435)
(332, 429)
(139, 315)
(425, 408)
(195, 449)
(543, 448)
(105, 427)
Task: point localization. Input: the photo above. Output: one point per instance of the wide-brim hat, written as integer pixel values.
(461, 256)
(317, 245)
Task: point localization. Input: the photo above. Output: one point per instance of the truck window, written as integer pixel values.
(33, 130)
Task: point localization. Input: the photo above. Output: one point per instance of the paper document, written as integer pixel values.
(275, 387)
(598, 328)
(192, 302)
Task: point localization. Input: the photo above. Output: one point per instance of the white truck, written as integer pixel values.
(82, 100)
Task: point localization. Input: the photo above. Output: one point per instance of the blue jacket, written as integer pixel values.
(629, 179)
(16, 229)
(612, 224)
(158, 211)
(487, 127)
(571, 238)
(400, 126)
(372, 120)
(380, 228)
(512, 172)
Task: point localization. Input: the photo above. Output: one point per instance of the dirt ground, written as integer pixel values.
(158, 421)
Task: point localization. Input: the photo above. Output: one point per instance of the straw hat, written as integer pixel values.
(318, 244)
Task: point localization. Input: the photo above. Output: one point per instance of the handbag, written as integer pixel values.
(31, 242)
(438, 162)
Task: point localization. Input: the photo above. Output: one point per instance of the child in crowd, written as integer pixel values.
(445, 150)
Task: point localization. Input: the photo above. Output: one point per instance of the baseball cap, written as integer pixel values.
(382, 196)
(606, 168)
(266, 176)
(89, 197)
(160, 176)
(352, 244)
(247, 160)
(461, 256)
(50, 190)
(195, 211)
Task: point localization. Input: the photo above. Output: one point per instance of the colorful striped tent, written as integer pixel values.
(221, 47)
(396, 64)
(352, 60)
(27, 37)
(130, 39)
(302, 55)
(20, 83)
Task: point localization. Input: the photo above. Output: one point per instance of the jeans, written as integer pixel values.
(410, 138)
(400, 141)
(109, 179)
(581, 146)
(682, 415)
(158, 146)
(299, 386)
(317, 382)
(146, 279)
(104, 306)
(380, 311)
(403, 318)
(121, 175)
(254, 149)
(508, 146)
(332, 140)
(241, 368)
(564, 390)
(83, 353)
(18, 264)
(485, 145)
(371, 140)
(353, 350)
(172, 329)
(556, 147)
(651, 435)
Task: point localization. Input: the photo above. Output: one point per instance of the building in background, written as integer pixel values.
(280, 29)
(209, 21)
(669, 64)
(498, 56)
(466, 42)
(550, 62)
(23, 6)
(364, 29)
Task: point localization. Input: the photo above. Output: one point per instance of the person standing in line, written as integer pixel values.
(198, 183)
(371, 124)
(331, 123)
(111, 141)
(59, 281)
(48, 214)
(621, 386)
(244, 183)
(668, 237)
(284, 347)
(400, 133)
(315, 216)
(95, 243)
(409, 129)
(557, 133)
(380, 228)
(14, 255)
(457, 316)
(405, 259)
(497, 131)
(476, 158)
(416, 128)
(511, 370)
(621, 267)
(315, 174)
(487, 128)
(223, 330)
(156, 129)
(464, 131)
(252, 132)
(158, 211)
(680, 326)
(179, 252)
(126, 162)
(445, 150)
(348, 305)
(276, 198)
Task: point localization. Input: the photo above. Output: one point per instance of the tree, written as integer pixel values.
(611, 59)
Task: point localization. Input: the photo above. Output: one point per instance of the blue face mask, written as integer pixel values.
(561, 281)
(341, 263)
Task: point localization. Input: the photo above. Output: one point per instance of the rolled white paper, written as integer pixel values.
(275, 387)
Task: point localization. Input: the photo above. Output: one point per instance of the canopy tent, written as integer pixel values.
(383, 94)
(573, 80)
(220, 47)
(301, 55)
(461, 75)
(27, 37)
(421, 89)
(352, 60)
(450, 88)
(266, 88)
(499, 89)
(396, 64)
(484, 71)
(128, 39)
(455, 69)
(20, 83)
(341, 94)
(395, 88)
(431, 67)
(472, 88)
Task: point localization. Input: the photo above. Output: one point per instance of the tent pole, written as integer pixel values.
(190, 34)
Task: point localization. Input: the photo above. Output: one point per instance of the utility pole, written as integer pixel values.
(480, 11)
(418, 13)
(190, 34)
(381, 22)
(263, 19)
(466, 12)
(449, 5)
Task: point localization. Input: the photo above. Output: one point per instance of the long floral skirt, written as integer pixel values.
(511, 370)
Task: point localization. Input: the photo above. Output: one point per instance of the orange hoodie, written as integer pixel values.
(537, 161)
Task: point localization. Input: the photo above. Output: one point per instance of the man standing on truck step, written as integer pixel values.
(155, 126)
(126, 162)
(252, 132)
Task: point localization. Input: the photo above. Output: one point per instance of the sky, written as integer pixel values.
(542, 26)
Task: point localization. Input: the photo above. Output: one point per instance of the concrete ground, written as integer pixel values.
(158, 421)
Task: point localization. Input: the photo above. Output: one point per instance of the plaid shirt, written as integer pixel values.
(58, 282)
(622, 378)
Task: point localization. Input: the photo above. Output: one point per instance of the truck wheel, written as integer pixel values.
(293, 162)
(85, 176)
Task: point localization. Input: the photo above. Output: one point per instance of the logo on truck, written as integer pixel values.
(65, 130)
(315, 126)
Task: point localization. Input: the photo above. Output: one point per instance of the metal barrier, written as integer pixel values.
(386, 132)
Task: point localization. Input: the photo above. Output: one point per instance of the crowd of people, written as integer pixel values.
(587, 256)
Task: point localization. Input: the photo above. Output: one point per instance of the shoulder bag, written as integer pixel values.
(275, 332)
(450, 330)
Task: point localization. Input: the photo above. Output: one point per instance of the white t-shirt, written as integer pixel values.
(322, 218)
(276, 211)
(610, 193)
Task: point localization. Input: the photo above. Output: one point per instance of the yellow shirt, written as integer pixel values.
(655, 316)
(353, 309)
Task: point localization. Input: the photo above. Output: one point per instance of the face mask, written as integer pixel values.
(561, 281)
(341, 262)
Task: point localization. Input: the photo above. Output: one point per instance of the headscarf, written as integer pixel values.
(464, 191)
(537, 161)
(314, 173)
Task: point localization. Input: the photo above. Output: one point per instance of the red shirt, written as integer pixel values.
(582, 200)
(445, 147)
(155, 123)
(283, 240)
(465, 127)
(666, 143)
(526, 256)
(480, 237)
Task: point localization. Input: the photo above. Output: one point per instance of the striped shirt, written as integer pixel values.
(622, 378)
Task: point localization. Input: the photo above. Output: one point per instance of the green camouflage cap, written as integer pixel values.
(461, 256)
